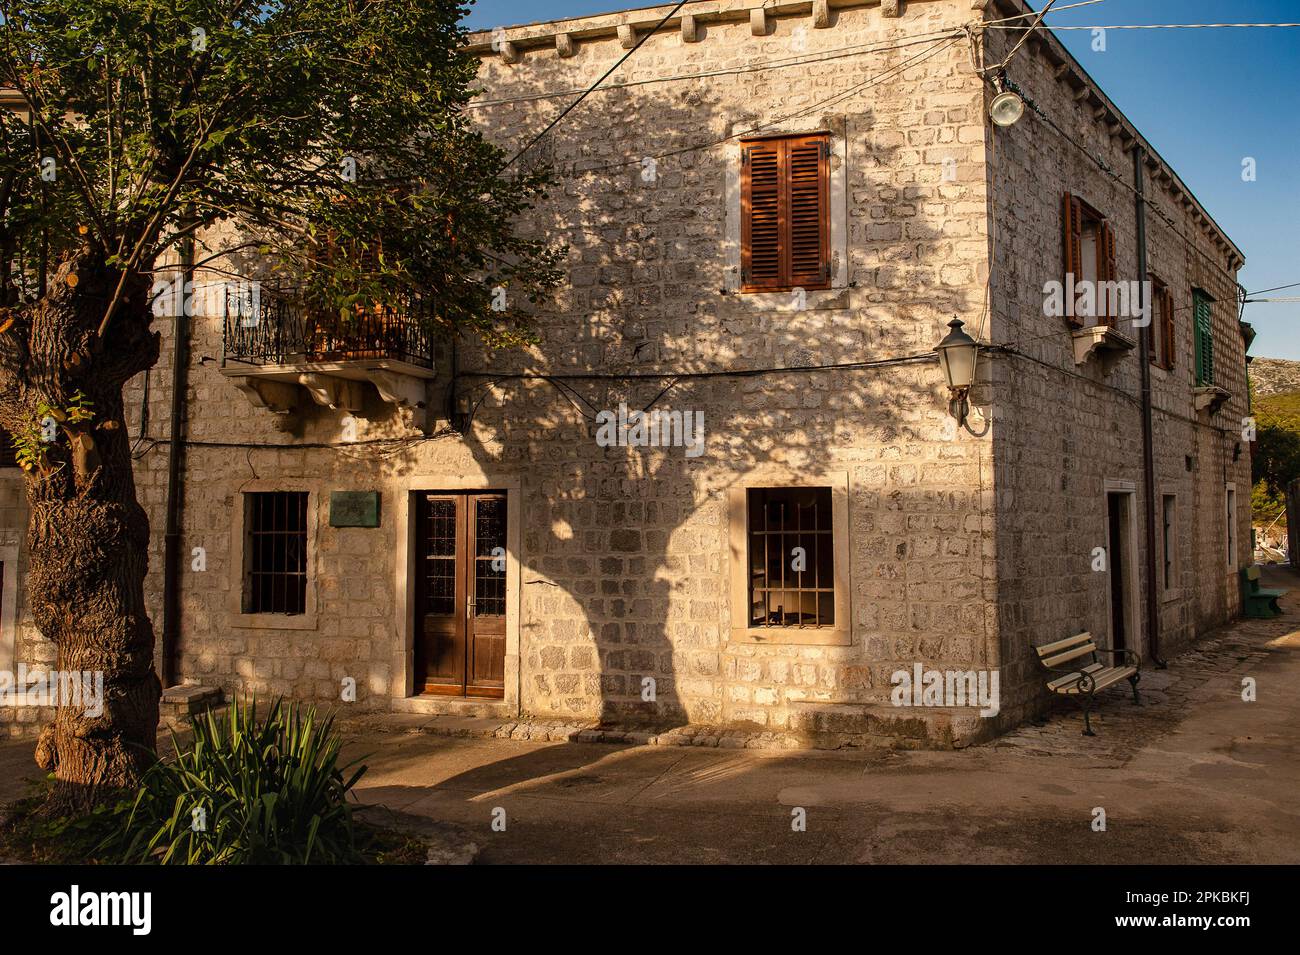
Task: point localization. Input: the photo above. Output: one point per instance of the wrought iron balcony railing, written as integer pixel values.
(264, 327)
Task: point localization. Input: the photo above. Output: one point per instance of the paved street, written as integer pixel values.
(1194, 775)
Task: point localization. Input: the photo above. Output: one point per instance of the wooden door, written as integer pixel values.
(460, 594)
(1116, 518)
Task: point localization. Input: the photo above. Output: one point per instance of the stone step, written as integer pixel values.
(183, 702)
(902, 727)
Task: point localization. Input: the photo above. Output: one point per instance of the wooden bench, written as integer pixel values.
(1085, 679)
(1257, 601)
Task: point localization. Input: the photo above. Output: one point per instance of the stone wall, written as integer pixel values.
(619, 559)
(1071, 432)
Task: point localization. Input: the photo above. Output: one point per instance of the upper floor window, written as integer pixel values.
(785, 213)
(1203, 322)
(1089, 261)
(1160, 330)
(8, 453)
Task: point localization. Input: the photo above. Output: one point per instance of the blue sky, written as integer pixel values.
(1206, 99)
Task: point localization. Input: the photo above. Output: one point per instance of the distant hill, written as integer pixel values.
(1274, 376)
(1282, 409)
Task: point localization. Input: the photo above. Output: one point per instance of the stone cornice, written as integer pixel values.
(628, 25)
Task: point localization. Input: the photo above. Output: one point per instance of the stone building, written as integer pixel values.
(773, 210)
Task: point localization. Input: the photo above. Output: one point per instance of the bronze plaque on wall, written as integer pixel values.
(354, 508)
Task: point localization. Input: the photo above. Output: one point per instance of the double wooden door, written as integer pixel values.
(460, 550)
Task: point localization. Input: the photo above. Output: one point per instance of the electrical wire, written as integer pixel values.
(780, 63)
(832, 100)
(1153, 26)
(572, 106)
(1028, 33)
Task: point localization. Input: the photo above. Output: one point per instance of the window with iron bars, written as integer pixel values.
(275, 552)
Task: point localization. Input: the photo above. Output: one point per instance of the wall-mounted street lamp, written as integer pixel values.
(1008, 105)
(958, 353)
(1006, 109)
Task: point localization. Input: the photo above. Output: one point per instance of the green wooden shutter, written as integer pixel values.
(1204, 338)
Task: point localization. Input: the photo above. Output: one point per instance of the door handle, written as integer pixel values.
(469, 608)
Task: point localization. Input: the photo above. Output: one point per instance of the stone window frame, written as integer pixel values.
(308, 619)
(838, 635)
(836, 127)
(1132, 561)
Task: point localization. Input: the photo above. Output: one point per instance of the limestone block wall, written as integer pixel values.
(1070, 433)
(963, 550)
(625, 550)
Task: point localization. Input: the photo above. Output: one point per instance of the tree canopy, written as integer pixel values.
(328, 135)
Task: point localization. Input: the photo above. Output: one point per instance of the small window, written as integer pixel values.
(275, 552)
(791, 557)
(1089, 260)
(1204, 328)
(1160, 330)
(785, 213)
(1169, 513)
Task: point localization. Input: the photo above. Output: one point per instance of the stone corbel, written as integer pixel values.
(278, 397)
(333, 393)
(626, 36)
(405, 392)
(821, 14)
(758, 21)
(1209, 398)
(1104, 341)
(564, 45)
(690, 29)
(891, 8)
(398, 389)
(509, 52)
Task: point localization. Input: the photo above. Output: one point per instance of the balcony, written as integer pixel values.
(284, 355)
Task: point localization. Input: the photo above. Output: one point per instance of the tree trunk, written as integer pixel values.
(88, 536)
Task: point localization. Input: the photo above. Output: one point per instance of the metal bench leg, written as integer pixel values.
(1087, 724)
(1134, 681)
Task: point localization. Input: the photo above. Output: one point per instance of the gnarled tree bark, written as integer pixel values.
(88, 536)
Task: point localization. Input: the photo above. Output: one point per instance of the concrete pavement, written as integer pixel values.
(1194, 775)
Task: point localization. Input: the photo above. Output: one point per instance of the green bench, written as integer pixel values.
(1085, 679)
(1257, 601)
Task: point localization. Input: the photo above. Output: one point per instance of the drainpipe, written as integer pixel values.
(1148, 451)
(175, 455)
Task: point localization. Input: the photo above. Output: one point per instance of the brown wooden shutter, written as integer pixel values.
(809, 223)
(1106, 305)
(1072, 247)
(1155, 330)
(785, 208)
(761, 213)
(1167, 323)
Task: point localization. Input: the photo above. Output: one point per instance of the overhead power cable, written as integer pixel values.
(829, 101)
(780, 63)
(1151, 26)
(572, 106)
(1021, 42)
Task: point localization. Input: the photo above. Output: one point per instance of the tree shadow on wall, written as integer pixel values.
(626, 548)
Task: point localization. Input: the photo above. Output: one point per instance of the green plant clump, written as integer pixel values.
(247, 791)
